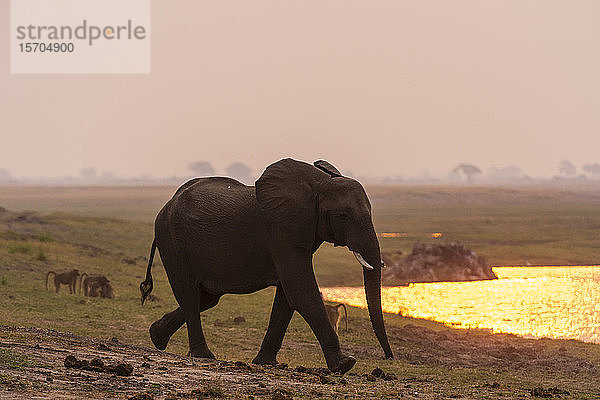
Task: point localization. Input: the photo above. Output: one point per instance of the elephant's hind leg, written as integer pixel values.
(162, 330)
(281, 314)
(197, 342)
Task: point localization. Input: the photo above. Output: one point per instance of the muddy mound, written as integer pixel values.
(451, 262)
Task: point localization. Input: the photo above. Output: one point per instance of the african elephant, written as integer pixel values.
(218, 236)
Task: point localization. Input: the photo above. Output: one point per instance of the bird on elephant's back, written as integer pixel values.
(218, 236)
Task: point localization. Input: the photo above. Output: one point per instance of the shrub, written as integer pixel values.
(45, 237)
(41, 256)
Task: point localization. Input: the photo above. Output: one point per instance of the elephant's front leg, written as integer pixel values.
(281, 314)
(294, 266)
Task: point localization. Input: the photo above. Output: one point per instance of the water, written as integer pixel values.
(555, 302)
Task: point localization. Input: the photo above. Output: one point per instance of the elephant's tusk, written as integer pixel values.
(361, 260)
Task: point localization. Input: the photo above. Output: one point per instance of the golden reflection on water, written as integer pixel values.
(556, 302)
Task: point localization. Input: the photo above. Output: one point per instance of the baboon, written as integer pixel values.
(64, 278)
(334, 315)
(96, 286)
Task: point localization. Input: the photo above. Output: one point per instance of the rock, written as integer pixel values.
(243, 365)
(114, 340)
(122, 369)
(451, 262)
(239, 320)
(371, 378)
(378, 373)
(141, 396)
(49, 379)
(281, 394)
(104, 347)
(71, 362)
(540, 392)
(390, 377)
(324, 379)
(97, 363)
(145, 365)
(343, 381)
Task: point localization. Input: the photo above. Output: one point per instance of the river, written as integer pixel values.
(555, 302)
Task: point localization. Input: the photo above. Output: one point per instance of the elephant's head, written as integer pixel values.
(315, 203)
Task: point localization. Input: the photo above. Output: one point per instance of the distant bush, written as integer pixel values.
(4, 280)
(22, 248)
(45, 237)
(41, 256)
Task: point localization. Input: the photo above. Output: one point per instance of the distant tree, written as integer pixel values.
(202, 168)
(509, 173)
(5, 176)
(593, 169)
(89, 173)
(239, 171)
(567, 168)
(467, 170)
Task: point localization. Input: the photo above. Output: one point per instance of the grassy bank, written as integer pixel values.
(112, 235)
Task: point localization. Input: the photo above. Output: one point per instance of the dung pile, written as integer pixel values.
(450, 262)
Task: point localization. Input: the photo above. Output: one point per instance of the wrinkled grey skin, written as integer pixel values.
(218, 236)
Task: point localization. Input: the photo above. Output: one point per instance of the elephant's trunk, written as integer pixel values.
(373, 294)
(372, 280)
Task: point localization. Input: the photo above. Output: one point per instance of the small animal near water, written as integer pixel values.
(335, 316)
(217, 236)
(64, 278)
(96, 286)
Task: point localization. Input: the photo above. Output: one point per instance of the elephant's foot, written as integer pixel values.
(262, 359)
(158, 336)
(344, 364)
(162, 330)
(201, 352)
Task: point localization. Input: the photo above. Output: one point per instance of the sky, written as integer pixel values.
(378, 88)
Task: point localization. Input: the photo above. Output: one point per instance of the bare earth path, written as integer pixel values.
(32, 366)
(158, 374)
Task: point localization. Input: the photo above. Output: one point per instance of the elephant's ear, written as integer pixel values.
(286, 194)
(326, 167)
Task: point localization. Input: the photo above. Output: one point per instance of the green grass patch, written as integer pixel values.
(45, 237)
(19, 248)
(11, 383)
(13, 360)
(41, 256)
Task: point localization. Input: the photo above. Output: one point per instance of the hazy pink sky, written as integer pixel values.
(376, 87)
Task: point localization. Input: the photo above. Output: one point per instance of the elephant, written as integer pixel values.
(217, 236)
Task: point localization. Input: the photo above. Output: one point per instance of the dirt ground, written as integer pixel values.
(36, 369)
(156, 374)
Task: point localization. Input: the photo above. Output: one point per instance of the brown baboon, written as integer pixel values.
(334, 315)
(96, 286)
(64, 278)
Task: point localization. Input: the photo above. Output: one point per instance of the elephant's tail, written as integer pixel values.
(147, 285)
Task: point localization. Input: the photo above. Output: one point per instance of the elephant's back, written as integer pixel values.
(214, 221)
(211, 205)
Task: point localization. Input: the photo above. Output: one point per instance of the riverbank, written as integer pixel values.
(432, 361)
